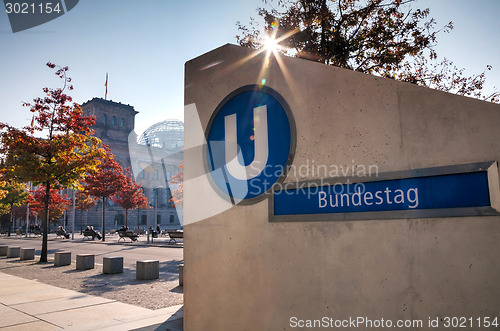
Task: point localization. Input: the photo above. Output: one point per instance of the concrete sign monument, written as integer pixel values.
(319, 197)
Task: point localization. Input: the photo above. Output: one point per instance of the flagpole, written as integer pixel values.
(106, 84)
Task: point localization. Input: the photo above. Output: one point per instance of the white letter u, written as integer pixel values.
(234, 167)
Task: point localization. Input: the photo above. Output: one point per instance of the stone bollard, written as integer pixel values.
(112, 265)
(3, 250)
(84, 261)
(147, 269)
(181, 274)
(27, 254)
(62, 258)
(13, 251)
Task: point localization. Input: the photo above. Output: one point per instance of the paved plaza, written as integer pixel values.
(29, 302)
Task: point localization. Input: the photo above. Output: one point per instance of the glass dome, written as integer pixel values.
(168, 134)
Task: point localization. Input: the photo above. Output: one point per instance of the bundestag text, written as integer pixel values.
(359, 198)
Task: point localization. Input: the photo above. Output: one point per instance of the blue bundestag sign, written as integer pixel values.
(250, 143)
(429, 192)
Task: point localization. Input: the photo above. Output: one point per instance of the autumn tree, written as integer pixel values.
(22, 210)
(387, 38)
(57, 203)
(56, 150)
(84, 202)
(4, 209)
(15, 194)
(177, 182)
(105, 182)
(130, 196)
(3, 183)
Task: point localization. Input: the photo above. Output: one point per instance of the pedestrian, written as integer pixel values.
(97, 235)
(66, 235)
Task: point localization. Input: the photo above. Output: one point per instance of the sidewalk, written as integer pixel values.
(30, 305)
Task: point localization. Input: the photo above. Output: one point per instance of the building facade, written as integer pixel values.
(114, 125)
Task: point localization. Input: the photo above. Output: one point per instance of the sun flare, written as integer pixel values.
(270, 44)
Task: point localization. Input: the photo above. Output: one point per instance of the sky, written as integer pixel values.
(143, 45)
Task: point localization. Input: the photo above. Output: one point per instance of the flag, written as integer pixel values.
(106, 84)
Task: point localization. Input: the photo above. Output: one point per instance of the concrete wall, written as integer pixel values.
(244, 273)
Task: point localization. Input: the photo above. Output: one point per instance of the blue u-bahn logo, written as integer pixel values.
(250, 143)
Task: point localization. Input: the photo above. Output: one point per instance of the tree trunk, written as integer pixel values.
(45, 227)
(323, 52)
(103, 219)
(126, 217)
